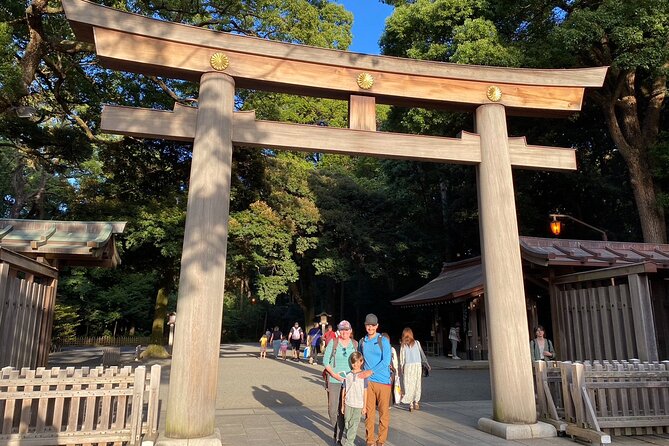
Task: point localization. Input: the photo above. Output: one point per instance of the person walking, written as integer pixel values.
(296, 337)
(336, 363)
(329, 334)
(284, 347)
(263, 346)
(314, 342)
(353, 397)
(454, 337)
(275, 341)
(412, 360)
(377, 356)
(541, 348)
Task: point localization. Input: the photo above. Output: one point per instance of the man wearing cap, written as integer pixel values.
(376, 351)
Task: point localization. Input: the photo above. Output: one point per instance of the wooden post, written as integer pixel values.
(194, 376)
(642, 314)
(509, 352)
(362, 112)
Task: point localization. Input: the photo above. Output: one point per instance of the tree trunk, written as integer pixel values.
(651, 214)
(633, 118)
(159, 315)
(156, 349)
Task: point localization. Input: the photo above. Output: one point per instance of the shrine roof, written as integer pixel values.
(465, 278)
(591, 253)
(71, 243)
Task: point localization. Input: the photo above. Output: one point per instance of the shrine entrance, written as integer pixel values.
(221, 62)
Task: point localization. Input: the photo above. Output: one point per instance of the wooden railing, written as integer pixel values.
(78, 406)
(599, 399)
(118, 341)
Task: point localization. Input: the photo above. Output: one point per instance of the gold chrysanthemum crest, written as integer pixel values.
(494, 93)
(219, 61)
(365, 81)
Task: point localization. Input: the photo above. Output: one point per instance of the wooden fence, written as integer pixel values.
(115, 341)
(78, 406)
(600, 399)
(27, 290)
(604, 314)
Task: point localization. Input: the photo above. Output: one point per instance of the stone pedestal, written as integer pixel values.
(211, 440)
(517, 431)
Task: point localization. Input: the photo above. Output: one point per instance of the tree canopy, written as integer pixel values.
(319, 232)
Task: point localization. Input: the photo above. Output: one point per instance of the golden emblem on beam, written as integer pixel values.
(494, 93)
(219, 61)
(365, 81)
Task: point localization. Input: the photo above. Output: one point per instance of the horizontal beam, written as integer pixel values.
(180, 125)
(27, 264)
(134, 43)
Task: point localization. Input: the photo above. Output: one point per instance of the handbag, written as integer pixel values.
(325, 376)
(424, 364)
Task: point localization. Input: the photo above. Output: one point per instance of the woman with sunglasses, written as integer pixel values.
(335, 361)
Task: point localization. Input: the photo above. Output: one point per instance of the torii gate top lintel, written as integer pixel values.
(131, 42)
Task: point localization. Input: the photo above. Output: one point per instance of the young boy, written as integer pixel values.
(354, 398)
(263, 346)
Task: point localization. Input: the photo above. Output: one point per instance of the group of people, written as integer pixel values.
(367, 377)
(279, 343)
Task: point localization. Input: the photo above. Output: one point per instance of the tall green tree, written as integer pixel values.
(630, 37)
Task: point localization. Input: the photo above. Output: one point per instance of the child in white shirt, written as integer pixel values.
(354, 398)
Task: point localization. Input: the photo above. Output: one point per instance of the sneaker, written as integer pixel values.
(456, 357)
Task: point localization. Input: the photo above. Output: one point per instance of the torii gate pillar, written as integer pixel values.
(510, 362)
(194, 375)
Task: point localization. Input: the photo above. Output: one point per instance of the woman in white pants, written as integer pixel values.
(412, 359)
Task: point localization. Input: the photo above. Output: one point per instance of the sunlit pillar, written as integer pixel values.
(508, 341)
(194, 375)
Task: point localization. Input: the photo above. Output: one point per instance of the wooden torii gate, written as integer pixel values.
(221, 61)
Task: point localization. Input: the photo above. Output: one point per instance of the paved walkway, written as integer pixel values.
(275, 402)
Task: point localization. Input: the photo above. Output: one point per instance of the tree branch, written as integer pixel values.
(161, 83)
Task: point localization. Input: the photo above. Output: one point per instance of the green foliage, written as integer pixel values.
(241, 323)
(478, 43)
(108, 300)
(10, 73)
(65, 322)
(425, 29)
(636, 34)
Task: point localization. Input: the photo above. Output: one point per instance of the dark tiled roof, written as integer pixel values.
(591, 253)
(73, 243)
(465, 278)
(459, 279)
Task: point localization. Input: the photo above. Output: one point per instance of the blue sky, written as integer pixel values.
(369, 18)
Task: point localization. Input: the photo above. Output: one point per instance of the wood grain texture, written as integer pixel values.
(149, 55)
(510, 362)
(362, 113)
(192, 396)
(85, 15)
(134, 43)
(180, 125)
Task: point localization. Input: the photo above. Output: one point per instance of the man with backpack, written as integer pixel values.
(296, 338)
(335, 361)
(376, 351)
(314, 342)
